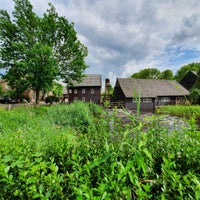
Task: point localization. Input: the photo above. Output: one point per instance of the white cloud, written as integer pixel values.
(124, 37)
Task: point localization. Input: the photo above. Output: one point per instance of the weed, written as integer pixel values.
(70, 152)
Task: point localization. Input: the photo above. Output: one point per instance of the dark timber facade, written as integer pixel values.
(151, 93)
(88, 90)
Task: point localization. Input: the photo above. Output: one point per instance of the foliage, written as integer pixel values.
(167, 75)
(195, 95)
(148, 73)
(181, 110)
(5, 92)
(52, 99)
(1, 91)
(185, 69)
(57, 89)
(37, 50)
(153, 73)
(43, 156)
(195, 91)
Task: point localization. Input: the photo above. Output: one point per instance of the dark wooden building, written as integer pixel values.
(189, 80)
(149, 92)
(89, 89)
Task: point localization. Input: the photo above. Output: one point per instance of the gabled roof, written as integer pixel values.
(89, 80)
(148, 88)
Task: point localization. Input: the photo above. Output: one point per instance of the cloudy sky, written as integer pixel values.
(124, 37)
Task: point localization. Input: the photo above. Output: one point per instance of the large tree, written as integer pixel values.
(37, 50)
(166, 74)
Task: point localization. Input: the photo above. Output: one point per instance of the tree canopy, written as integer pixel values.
(195, 91)
(37, 50)
(148, 73)
(153, 73)
(166, 74)
(185, 69)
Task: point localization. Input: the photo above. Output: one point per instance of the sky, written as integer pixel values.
(124, 37)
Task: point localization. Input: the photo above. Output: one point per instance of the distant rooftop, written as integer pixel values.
(89, 80)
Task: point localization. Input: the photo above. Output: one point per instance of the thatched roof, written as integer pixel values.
(89, 80)
(148, 88)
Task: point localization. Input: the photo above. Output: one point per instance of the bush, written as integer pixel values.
(52, 99)
(76, 115)
(25, 98)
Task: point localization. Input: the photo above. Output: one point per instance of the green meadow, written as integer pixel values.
(80, 151)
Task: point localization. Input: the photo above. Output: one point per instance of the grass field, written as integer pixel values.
(71, 152)
(182, 110)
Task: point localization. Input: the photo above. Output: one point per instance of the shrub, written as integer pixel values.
(76, 115)
(25, 98)
(52, 99)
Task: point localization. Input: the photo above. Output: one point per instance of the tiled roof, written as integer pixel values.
(151, 88)
(89, 80)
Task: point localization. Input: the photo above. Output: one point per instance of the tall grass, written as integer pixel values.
(181, 110)
(70, 152)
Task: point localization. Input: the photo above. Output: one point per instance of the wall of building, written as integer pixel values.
(88, 94)
(150, 106)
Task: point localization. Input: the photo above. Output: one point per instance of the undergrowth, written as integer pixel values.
(80, 151)
(181, 110)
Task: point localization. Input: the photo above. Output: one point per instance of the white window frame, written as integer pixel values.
(70, 91)
(92, 91)
(83, 91)
(147, 100)
(83, 98)
(136, 100)
(165, 99)
(75, 91)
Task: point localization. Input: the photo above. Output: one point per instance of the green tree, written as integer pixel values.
(37, 50)
(148, 73)
(57, 89)
(195, 91)
(166, 74)
(185, 69)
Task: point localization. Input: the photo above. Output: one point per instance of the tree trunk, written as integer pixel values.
(37, 100)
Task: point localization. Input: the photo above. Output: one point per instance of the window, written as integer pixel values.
(70, 91)
(75, 98)
(165, 99)
(92, 91)
(83, 98)
(75, 91)
(147, 100)
(83, 91)
(136, 100)
(179, 100)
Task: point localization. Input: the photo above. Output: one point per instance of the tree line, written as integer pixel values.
(154, 73)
